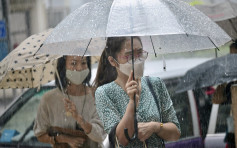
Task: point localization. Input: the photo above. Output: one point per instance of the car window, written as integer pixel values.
(22, 119)
(221, 122)
(204, 106)
(182, 108)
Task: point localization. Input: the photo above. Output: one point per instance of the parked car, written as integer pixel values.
(20, 114)
(192, 107)
(19, 118)
(188, 111)
(217, 126)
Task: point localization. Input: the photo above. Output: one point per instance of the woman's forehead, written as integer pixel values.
(75, 58)
(136, 45)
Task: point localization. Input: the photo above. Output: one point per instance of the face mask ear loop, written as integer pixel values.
(116, 61)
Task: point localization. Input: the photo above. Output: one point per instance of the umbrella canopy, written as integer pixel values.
(224, 12)
(21, 69)
(165, 26)
(213, 72)
(217, 10)
(230, 26)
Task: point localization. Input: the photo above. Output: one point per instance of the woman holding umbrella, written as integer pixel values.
(59, 119)
(115, 97)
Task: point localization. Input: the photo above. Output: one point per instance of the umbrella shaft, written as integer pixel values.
(132, 58)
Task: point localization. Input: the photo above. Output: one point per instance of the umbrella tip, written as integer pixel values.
(164, 68)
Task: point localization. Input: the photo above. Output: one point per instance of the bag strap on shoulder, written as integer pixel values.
(154, 96)
(156, 100)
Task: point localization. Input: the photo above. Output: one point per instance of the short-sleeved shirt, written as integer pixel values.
(112, 100)
(51, 112)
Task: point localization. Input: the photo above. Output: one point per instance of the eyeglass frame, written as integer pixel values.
(135, 57)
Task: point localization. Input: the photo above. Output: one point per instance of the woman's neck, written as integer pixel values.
(76, 90)
(121, 80)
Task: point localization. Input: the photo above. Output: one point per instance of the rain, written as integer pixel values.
(118, 73)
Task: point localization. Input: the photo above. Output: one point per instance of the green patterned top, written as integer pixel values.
(112, 100)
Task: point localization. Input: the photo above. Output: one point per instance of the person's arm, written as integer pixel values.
(97, 132)
(71, 107)
(42, 124)
(127, 120)
(45, 138)
(168, 131)
(94, 127)
(86, 126)
(72, 141)
(171, 128)
(106, 109)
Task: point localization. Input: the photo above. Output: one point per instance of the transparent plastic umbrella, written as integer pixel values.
(230, 27)
(166, 26)
(217, 10)
(224, 12)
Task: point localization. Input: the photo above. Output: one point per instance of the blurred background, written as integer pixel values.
(21, 18)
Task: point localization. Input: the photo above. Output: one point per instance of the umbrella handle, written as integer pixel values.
(127, 136)
(135, 135)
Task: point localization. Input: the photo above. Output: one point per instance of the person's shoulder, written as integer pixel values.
(105, 87)
(52, 94)
(153, 79)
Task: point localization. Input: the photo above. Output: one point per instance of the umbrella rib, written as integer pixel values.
(153, 47)
(86, 48)
(214, 45)
(37, 50)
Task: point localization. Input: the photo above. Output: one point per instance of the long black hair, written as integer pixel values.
(61, 68)
(106, 73)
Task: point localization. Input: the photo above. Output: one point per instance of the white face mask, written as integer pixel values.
(77, 77)
(138, 68)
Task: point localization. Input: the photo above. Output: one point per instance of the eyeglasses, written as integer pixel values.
(141, 56)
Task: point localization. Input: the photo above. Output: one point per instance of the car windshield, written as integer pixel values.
(182, 108)
(21, 115)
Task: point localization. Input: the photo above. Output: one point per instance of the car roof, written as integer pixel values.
(174, 67)
(50, 84)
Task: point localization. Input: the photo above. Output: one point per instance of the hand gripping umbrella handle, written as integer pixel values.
(135, 135)
(135, 112)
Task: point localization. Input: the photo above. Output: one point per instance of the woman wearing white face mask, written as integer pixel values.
(115, 97)
(77, 112)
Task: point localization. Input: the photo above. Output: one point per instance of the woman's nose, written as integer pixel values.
(78, 67)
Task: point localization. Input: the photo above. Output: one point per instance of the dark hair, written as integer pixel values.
(234, 45)
(106, 73)
(61, 67)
